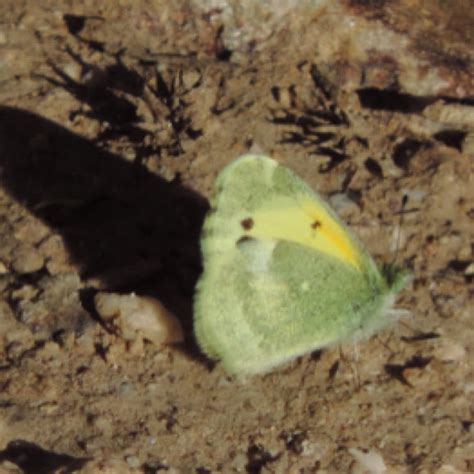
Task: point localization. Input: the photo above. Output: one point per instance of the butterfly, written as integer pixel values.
(283, 275)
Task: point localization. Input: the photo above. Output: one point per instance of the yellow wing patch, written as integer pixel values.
(304, 222)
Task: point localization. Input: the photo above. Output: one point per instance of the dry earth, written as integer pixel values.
(116, 118)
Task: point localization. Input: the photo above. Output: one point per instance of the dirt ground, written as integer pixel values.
(115, 120)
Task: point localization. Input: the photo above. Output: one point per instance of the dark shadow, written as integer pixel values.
(294, 441)
(125, 227)
(33, 459)
(397, 371)
(316, 127)
(76, 23)
(373, 167)
(333, 370)
(110, 94)
(308, 134)
(397, 101)
(460, 267)
(393, 100)
(258, 458)
(406, 150)
(222, 53)
(452, 138)
(422, 336)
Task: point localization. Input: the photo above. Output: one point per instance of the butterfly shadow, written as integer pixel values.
(125, 228)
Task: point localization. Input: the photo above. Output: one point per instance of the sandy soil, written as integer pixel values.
(113, 128)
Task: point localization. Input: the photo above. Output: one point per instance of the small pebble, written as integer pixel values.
(3, 268)
(450, 351)
(31, 231)
(191, 79)
(27, 259)
(135, 316)
(133, 461)
(25, 292)
(369, 462)
(469, 271)
(468, 144)
(342, 203)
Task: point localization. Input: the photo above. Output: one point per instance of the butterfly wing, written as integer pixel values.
(282, 274)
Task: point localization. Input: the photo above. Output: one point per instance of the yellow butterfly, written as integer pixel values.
(282, 276)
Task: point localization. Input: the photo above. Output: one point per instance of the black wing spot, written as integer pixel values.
(316, 224)
(247, 223)
(242, 240)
